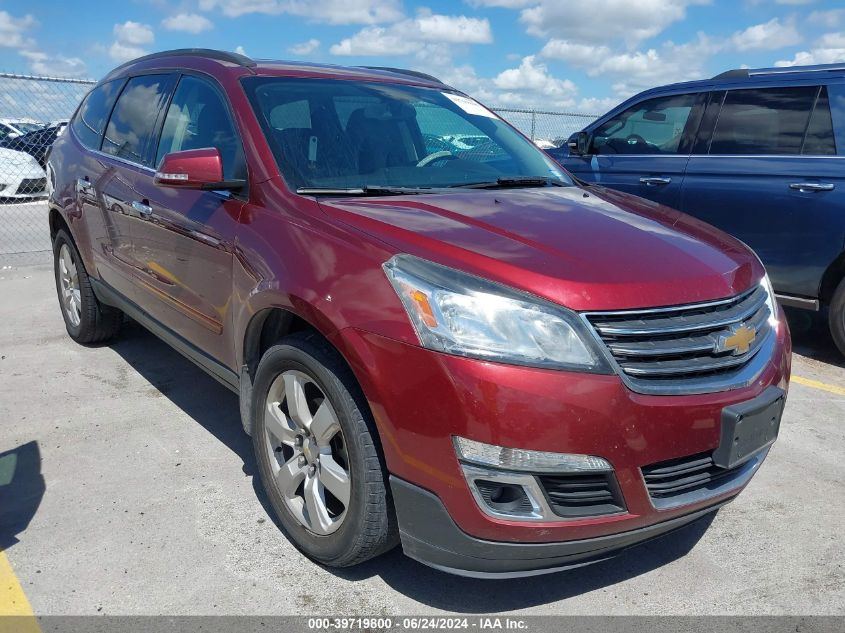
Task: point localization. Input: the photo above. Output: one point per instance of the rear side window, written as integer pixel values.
(90, 120)
(132, 125)
(198, 118)
(819, 140)
(655, 126)
(764, 121)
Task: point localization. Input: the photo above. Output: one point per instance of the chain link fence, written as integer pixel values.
(34, 111)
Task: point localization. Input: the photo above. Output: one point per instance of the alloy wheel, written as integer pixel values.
(308, 456)
(69, 283)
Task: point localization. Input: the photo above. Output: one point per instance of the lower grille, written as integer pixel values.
(689, 476)
(688, 348)
(581, 495)
(32, 185)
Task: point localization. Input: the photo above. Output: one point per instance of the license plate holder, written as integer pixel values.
(749, 427)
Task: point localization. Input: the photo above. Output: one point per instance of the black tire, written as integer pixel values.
(98, 322)
(836, 317)
(369, 526)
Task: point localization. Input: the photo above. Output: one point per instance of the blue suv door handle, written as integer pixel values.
(811, 186)
(653, 181)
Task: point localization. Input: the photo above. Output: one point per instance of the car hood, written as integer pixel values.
(587, 249)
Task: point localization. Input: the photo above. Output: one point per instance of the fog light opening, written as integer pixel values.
(505, 498)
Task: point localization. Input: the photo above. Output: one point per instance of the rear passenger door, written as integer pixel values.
(644, 149)
(764, 170)
(184, 239)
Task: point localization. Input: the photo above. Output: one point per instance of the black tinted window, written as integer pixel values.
(766, 121)
(819, 140)
(90, 120)
(198, 118)
(655, 126)
(132, 123)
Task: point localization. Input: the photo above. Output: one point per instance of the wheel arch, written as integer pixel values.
(831, 278)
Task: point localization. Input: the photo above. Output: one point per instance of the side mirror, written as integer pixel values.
(579, 143)
(194, 169)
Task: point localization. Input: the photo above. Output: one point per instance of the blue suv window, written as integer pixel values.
(819, 140)
(655, 126)
(768, 121)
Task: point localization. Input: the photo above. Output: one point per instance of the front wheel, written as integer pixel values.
(836, 317)
(318, 456)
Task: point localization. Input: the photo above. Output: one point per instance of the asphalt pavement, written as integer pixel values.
(135, 493)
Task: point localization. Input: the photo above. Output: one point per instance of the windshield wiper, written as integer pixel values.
(522, 181)
(367, 190)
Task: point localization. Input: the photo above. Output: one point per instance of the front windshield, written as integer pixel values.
(337, 134)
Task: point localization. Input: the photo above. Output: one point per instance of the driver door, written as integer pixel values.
(643, 149)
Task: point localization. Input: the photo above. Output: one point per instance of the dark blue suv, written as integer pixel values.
(758, 153)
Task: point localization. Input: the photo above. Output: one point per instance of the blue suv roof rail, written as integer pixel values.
(744, 73)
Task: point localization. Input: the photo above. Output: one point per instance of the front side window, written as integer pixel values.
(197, 118)
(90, 119)
(763, 121)
(655, 126)
(132, 125)
(329, 133)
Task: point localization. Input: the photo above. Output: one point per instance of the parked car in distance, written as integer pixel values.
(468, 353)
(10, 128)
(758, 153)
(21, 176)
(36, 143)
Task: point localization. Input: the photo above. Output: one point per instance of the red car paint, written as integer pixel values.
(211, 277)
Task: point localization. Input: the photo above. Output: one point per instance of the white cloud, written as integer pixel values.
(54, 65)
(326, 11)
(603, 20)
(240, 51)
(13, 30)
(305, 48)
(188, 22)
(505, 4)
(133, 33)
(828, 19)
(531, 81)
(635, 70)
(415, 35)
(829, 49)
(770, 35)
(129, 40)
(669, 62)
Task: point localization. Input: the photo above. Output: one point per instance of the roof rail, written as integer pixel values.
(208, 53)
(404, 71)
(738, 73)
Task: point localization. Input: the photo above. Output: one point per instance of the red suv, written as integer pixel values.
(460, 348)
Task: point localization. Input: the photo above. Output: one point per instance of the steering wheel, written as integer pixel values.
(635, 139)
(431, 158)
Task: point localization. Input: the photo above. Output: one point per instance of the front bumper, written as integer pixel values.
(430, 536)
(422, 399)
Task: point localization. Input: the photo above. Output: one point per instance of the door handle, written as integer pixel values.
(653, 181)
(812, 186)
(140, 209)
(83, 185)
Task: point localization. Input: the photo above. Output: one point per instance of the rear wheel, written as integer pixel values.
(836, 317)
(86, 319)
(318, 456)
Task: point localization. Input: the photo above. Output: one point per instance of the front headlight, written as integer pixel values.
(771, 301)
(461, 314)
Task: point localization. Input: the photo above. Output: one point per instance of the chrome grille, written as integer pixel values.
(677, 349)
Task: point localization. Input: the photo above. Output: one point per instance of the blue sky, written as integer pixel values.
(582, 55)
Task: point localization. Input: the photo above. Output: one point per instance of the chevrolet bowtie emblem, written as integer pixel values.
(737, 340)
